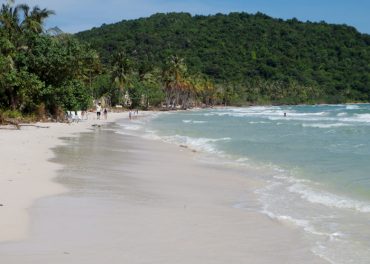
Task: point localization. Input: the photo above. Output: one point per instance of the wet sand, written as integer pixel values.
(26, 174)
(132, 200)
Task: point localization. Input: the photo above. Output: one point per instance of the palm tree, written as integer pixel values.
(9, 21)
(149, 79)
(121, 71)
(209, 90)
(174, 79)
(34, 19)
(186, 91)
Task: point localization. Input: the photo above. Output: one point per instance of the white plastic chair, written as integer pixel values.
(74, 117)
(69, 116)
(79, 115)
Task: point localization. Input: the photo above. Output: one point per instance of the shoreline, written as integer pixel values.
(201, 200)
(27, 172)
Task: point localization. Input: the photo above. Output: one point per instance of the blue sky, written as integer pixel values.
(73, 16)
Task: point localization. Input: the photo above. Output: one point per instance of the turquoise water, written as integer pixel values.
(328, 144)
(316, 161)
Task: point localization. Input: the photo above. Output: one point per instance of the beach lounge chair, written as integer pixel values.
(79, 115)
(73, 117)
(68, 116)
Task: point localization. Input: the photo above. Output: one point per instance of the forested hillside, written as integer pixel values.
(256, 58)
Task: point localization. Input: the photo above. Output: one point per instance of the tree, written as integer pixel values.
(37, 70)
(121, 72)
(151, 92)
(174, 80)
(9, 22)
(33, 20)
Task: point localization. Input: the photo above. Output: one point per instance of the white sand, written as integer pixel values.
(26, 174)
(162, 206)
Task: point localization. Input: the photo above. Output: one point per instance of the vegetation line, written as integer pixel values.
(176, 60)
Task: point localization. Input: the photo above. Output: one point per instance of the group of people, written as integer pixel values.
(99, 110)
(133, 112)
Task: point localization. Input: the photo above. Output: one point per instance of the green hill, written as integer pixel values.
(318, 62)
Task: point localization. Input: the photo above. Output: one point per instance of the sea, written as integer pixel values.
(313, 161)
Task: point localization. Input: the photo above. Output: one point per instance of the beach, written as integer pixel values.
(80, 193)
(26, 173)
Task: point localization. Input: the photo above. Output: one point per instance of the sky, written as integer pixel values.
(73, 16)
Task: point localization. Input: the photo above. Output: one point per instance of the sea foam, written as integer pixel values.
(200, 144)
(329, 199)
(322, 125)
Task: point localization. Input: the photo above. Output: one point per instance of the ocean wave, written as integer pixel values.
(357, 118)
(132, 127)
(274, 115)
(200, 144)
(274, 110)
(328, 199)
(318, 125)
(308, 114)
(258, 122)
(242, 160)
(254, 108)
(305, 224)
(137, 127)
(301, 118)
(193, 122)
(199, 122)
(352, 107)
(282, 176)
(363, 117)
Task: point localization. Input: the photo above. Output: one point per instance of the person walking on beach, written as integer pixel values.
(98, 111)
(105, 112)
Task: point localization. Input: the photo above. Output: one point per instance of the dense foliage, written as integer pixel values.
(41, 74)
(251, 58)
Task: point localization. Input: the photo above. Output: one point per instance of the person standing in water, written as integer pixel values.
(98, 111)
